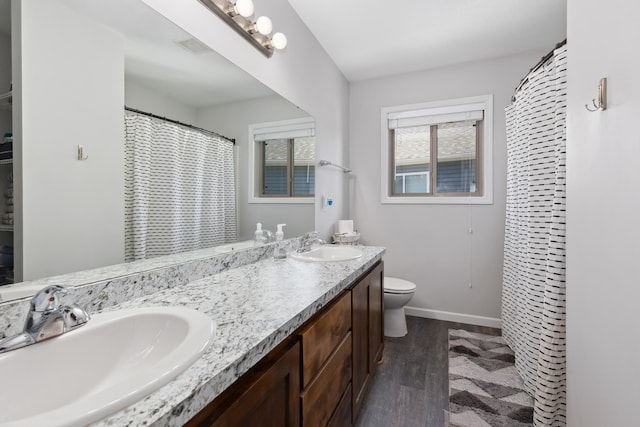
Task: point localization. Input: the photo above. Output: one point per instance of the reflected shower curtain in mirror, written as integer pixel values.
(533, 294)
(179, 189)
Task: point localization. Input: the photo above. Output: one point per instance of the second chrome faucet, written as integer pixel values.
(308, 240)
(47, 318)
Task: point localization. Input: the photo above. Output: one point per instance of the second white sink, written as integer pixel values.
(328, 253)
(116, 359)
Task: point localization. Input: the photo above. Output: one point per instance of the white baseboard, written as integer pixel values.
(453, 317)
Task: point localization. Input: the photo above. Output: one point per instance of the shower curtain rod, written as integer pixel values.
(144, 113)
(535, 67)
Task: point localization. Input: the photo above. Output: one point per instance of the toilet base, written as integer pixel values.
(395, 322)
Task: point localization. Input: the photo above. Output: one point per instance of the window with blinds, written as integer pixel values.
(436, 152)
(284, 160)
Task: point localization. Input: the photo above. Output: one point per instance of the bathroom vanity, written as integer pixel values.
(318, 375)
(296, 339)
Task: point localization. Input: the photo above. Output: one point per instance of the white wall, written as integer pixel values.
(603, 279)
(68, 205)
(141, 98)
(304, 74)
(430, 244)
(232, 120)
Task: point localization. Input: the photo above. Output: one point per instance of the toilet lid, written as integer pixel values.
(398, 286)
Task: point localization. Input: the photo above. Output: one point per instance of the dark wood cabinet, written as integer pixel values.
(318, 376)
(376, 316)
(322, 335)
(342, 415)
(321, 398)
(267, 396)
(367, 320)
(326, 361)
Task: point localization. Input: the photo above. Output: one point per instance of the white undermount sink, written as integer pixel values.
(114, 360)
(328, 253)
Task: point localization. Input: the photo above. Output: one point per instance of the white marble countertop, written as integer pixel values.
(254, 308)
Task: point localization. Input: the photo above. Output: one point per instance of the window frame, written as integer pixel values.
(484, 152)
(290, 167)
(255, 158)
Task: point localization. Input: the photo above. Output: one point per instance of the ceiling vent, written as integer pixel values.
(194, 46)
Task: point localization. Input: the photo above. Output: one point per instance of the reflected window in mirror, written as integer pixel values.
(287, 167)
(283, 159)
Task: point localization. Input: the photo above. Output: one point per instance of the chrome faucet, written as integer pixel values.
(47, 318)
(309, 239)
(269, 236)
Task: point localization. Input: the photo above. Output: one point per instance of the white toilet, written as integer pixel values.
(397, 293)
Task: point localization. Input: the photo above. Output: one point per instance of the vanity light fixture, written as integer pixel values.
(238, 14)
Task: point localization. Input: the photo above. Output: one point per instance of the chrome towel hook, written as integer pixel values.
(601, 103)
(81, 155)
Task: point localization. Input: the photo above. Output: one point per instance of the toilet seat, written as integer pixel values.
(393, 285)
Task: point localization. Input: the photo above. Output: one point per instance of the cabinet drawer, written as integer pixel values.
(321, 398)
(269, 391)
(342, 416)
(321, 337)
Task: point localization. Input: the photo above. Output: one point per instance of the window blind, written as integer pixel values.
(301, 130)
(432, 116)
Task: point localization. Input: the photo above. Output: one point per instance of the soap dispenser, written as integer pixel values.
(259, 234)
(280, 251)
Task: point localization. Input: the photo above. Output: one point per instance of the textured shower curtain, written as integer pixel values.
(533, 295)
(179, 189)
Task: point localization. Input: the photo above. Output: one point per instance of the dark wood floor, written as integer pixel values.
(411, 387)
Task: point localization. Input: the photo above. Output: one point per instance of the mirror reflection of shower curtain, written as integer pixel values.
(533, 292)
(179, 189)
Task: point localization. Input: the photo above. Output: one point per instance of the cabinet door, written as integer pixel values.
(360, 325)
(269, 397)
(367, 312)
(376, 316)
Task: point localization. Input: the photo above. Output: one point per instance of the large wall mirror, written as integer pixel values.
(75, 65)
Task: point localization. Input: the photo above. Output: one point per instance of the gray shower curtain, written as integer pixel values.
(533, 295)
(179, 189)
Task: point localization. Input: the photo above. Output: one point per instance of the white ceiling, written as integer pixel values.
(154, 60)
(374, 38)
(381, 40)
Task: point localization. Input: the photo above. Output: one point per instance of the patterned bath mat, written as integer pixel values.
(485, 389)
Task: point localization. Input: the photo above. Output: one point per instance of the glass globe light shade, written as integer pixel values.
(244, 8)
(279, 41)
(264, 25)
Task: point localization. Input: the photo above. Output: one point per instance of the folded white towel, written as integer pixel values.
(9, 209)
(8, 192)
(9, 201)
(7, 221)
(10, 177)
(7, 216)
